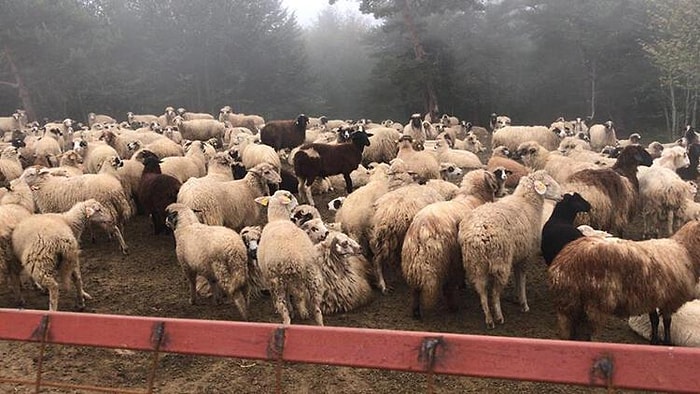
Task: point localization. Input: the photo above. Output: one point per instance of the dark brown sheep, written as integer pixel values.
(156, 191)
(593, 277)
(281, 134)
(321, 160)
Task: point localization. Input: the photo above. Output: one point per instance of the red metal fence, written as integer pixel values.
(598, 364)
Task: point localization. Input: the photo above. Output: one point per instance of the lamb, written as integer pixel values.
(602, 135)
(222, 260)
(17, 121)
(536, 157)
(500, 157)
(59, 194)
(612, 192)
(47, 247)
(498, 121)
(193, 164)
(498, 237)
(512, 136)
(93, 118)
(336, 203)
(320, 160)
(287, 260)
(662, 192)
(156, 192)
(16, 205)
(70, 164)
(231, 203)
(559, 229)
(284, 134)
(302, 213)
(200, 129)
(354, 217)
(343, 268)
(592, 278)
(393, 213)
(145, 119)
(162, 148)
(10, 166)
(93, 153)
(382, 146)
(431, 259)
(415, 129)
(461, 158)
(424, 164)
(684, 330)
(168, 117)
(633, 138)
(252, 154)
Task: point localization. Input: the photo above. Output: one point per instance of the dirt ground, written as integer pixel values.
(148, 282)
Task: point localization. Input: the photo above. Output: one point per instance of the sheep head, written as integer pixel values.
(633, 156)
(315, 229)
(96, 213)
(542, 184)
(251, 238)
(301, 122)
(343, 245)
(416, 121)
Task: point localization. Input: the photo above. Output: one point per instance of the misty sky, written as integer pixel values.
(307, 10)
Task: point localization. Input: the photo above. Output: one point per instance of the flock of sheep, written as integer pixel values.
(421, 206)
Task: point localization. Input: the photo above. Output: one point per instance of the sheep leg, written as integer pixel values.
(316, 296)
(381, 284)
(241, 302)
(348, 182)
(158, 225)
(118, 234)
(496, 289)
(191, 278)
(566, 326)
(279, 300)
(520, 286)
(81, 294)
(51, 285)
(480, 286)
(654, 319)
(667, 329)
(415, 304)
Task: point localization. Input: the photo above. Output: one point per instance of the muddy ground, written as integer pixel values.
(148, 282)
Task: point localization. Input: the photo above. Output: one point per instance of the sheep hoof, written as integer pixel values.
(86, 295)
(524, 307)
(490, 325)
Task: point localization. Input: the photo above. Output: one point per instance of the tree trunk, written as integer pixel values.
(593, 79)
(674, 110)
(430, 101)
(694, 118)
(22, 90)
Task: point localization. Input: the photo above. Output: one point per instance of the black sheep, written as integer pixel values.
(156, 191)
(321, 160)
(288, 134)
(559, 230)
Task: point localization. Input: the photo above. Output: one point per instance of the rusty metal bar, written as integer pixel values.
(61, 385)
(41, 334)
(554, 361)
(157, 338)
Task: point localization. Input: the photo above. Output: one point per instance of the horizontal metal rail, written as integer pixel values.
(663, 368)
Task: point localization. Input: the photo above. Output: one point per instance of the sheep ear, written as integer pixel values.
(264, 201)
(89, 211)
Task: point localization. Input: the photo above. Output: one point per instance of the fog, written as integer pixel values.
(632, 61)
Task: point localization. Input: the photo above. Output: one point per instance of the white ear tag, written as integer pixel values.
(540, 188)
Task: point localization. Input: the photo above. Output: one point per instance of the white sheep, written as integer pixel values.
(70, 164)
(662, 192)
(393, 213)
(382, 146)
(16, 205)
(59, 194)
(602, 135)
(461, 158)
(47, 247)
(93, 153)
(10, 166)
(200, 129)
(684, 329)
(193, 164)
(252, 153)
(536, 157)
(424, 163)
(222, 260)
(431, 258)
(512, 136)
(503, 236)
(162, 148)
(231, 203)
(287, 260)
(143, 119)
(415, 128)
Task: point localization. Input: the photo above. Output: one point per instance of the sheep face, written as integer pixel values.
(416, 121)
(10, 153)
(251, 238)
(544, 185)
(316, 230)
(267, 172)
(96, 213)
(304, 213)
(342, 245)
(302, 121)
(449, 171)
(576, 202)
(336, 203)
